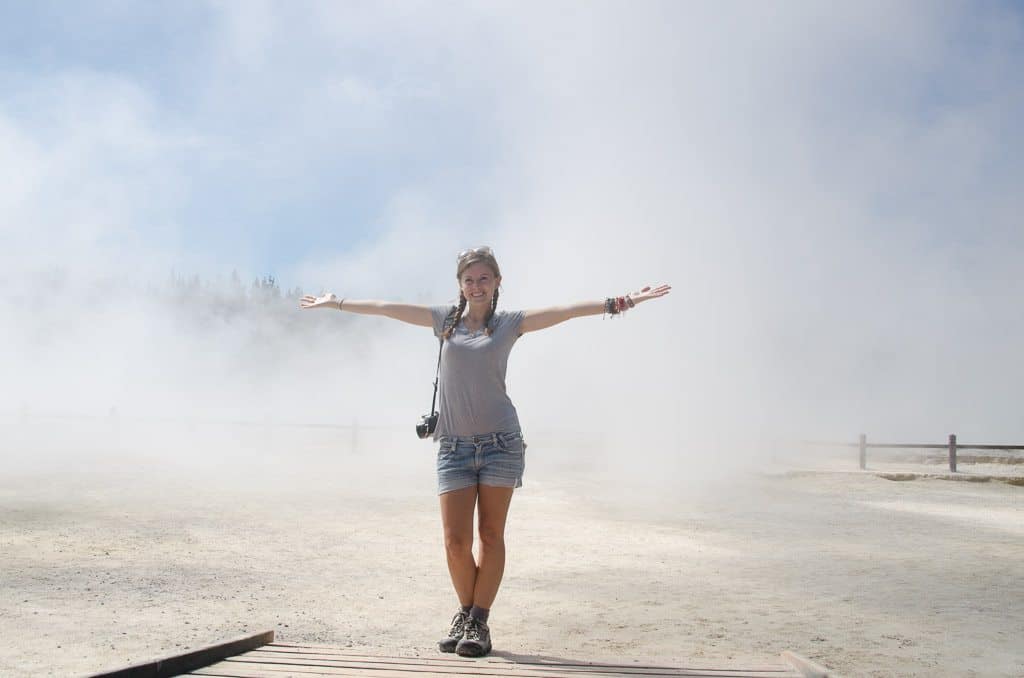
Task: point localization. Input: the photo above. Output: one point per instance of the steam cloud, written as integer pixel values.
(832, 192)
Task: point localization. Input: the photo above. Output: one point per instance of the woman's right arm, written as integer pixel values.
(408, 313)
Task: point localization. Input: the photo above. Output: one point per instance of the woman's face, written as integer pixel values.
(478, 283)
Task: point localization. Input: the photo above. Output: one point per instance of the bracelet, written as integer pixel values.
(617, 305)
(612, 306)
(340, 302)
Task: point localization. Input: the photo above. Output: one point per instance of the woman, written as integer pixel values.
(481, 457)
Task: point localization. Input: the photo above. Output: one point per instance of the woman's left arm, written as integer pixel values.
(542, 318)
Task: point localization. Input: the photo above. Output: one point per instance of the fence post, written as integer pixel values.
(952, 453)
(863, 451)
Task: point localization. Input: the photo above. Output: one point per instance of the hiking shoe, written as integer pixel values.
(455, 633)
(476, 642)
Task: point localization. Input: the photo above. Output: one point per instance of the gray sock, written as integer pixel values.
(480, 613)
(466, 609)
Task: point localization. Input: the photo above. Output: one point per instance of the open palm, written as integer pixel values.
(309, 301)
(648, 292)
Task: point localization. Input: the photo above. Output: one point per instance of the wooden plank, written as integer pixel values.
(484, 667)
(357, 673)
(520, 662)
(908, 446)
(474, 668)
(183, 663)
(258, 671)
(244, 669)
(501, 658)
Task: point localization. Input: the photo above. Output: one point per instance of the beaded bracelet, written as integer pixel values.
(617, 305)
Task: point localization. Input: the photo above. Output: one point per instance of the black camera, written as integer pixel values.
(428, 422)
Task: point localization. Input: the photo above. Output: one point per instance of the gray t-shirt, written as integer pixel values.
(472, 393)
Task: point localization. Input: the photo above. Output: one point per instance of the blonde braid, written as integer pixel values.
(490, 314)
(454, 317)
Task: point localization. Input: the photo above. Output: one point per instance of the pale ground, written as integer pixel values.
(110, 555)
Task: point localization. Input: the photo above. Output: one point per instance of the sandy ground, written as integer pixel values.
(109, 557)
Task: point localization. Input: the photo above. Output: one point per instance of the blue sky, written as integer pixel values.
(279, 165)
(299, 123)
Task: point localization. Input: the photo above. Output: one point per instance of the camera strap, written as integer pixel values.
(437, 375)
(448, 322)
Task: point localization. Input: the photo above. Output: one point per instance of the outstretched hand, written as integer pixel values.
(649, 292)
(329, 300)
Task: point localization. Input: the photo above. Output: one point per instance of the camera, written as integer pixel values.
(427, 424)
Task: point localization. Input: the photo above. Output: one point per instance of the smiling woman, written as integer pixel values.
(482, 451)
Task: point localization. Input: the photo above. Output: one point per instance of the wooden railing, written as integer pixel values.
(951, 447)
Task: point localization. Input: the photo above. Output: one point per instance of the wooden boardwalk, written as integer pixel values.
(259, 657)
(278, 659)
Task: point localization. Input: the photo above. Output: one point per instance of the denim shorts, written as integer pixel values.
(496, 459)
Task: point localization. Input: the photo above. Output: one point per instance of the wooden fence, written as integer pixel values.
(951, 447)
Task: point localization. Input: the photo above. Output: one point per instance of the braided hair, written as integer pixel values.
(455, 315)
(488, 330)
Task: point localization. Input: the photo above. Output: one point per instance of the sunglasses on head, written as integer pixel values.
(475, 250)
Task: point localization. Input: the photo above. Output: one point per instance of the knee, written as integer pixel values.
(458, 544)
(491, 537)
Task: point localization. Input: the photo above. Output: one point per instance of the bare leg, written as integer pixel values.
(493, 507)
(457, 519)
